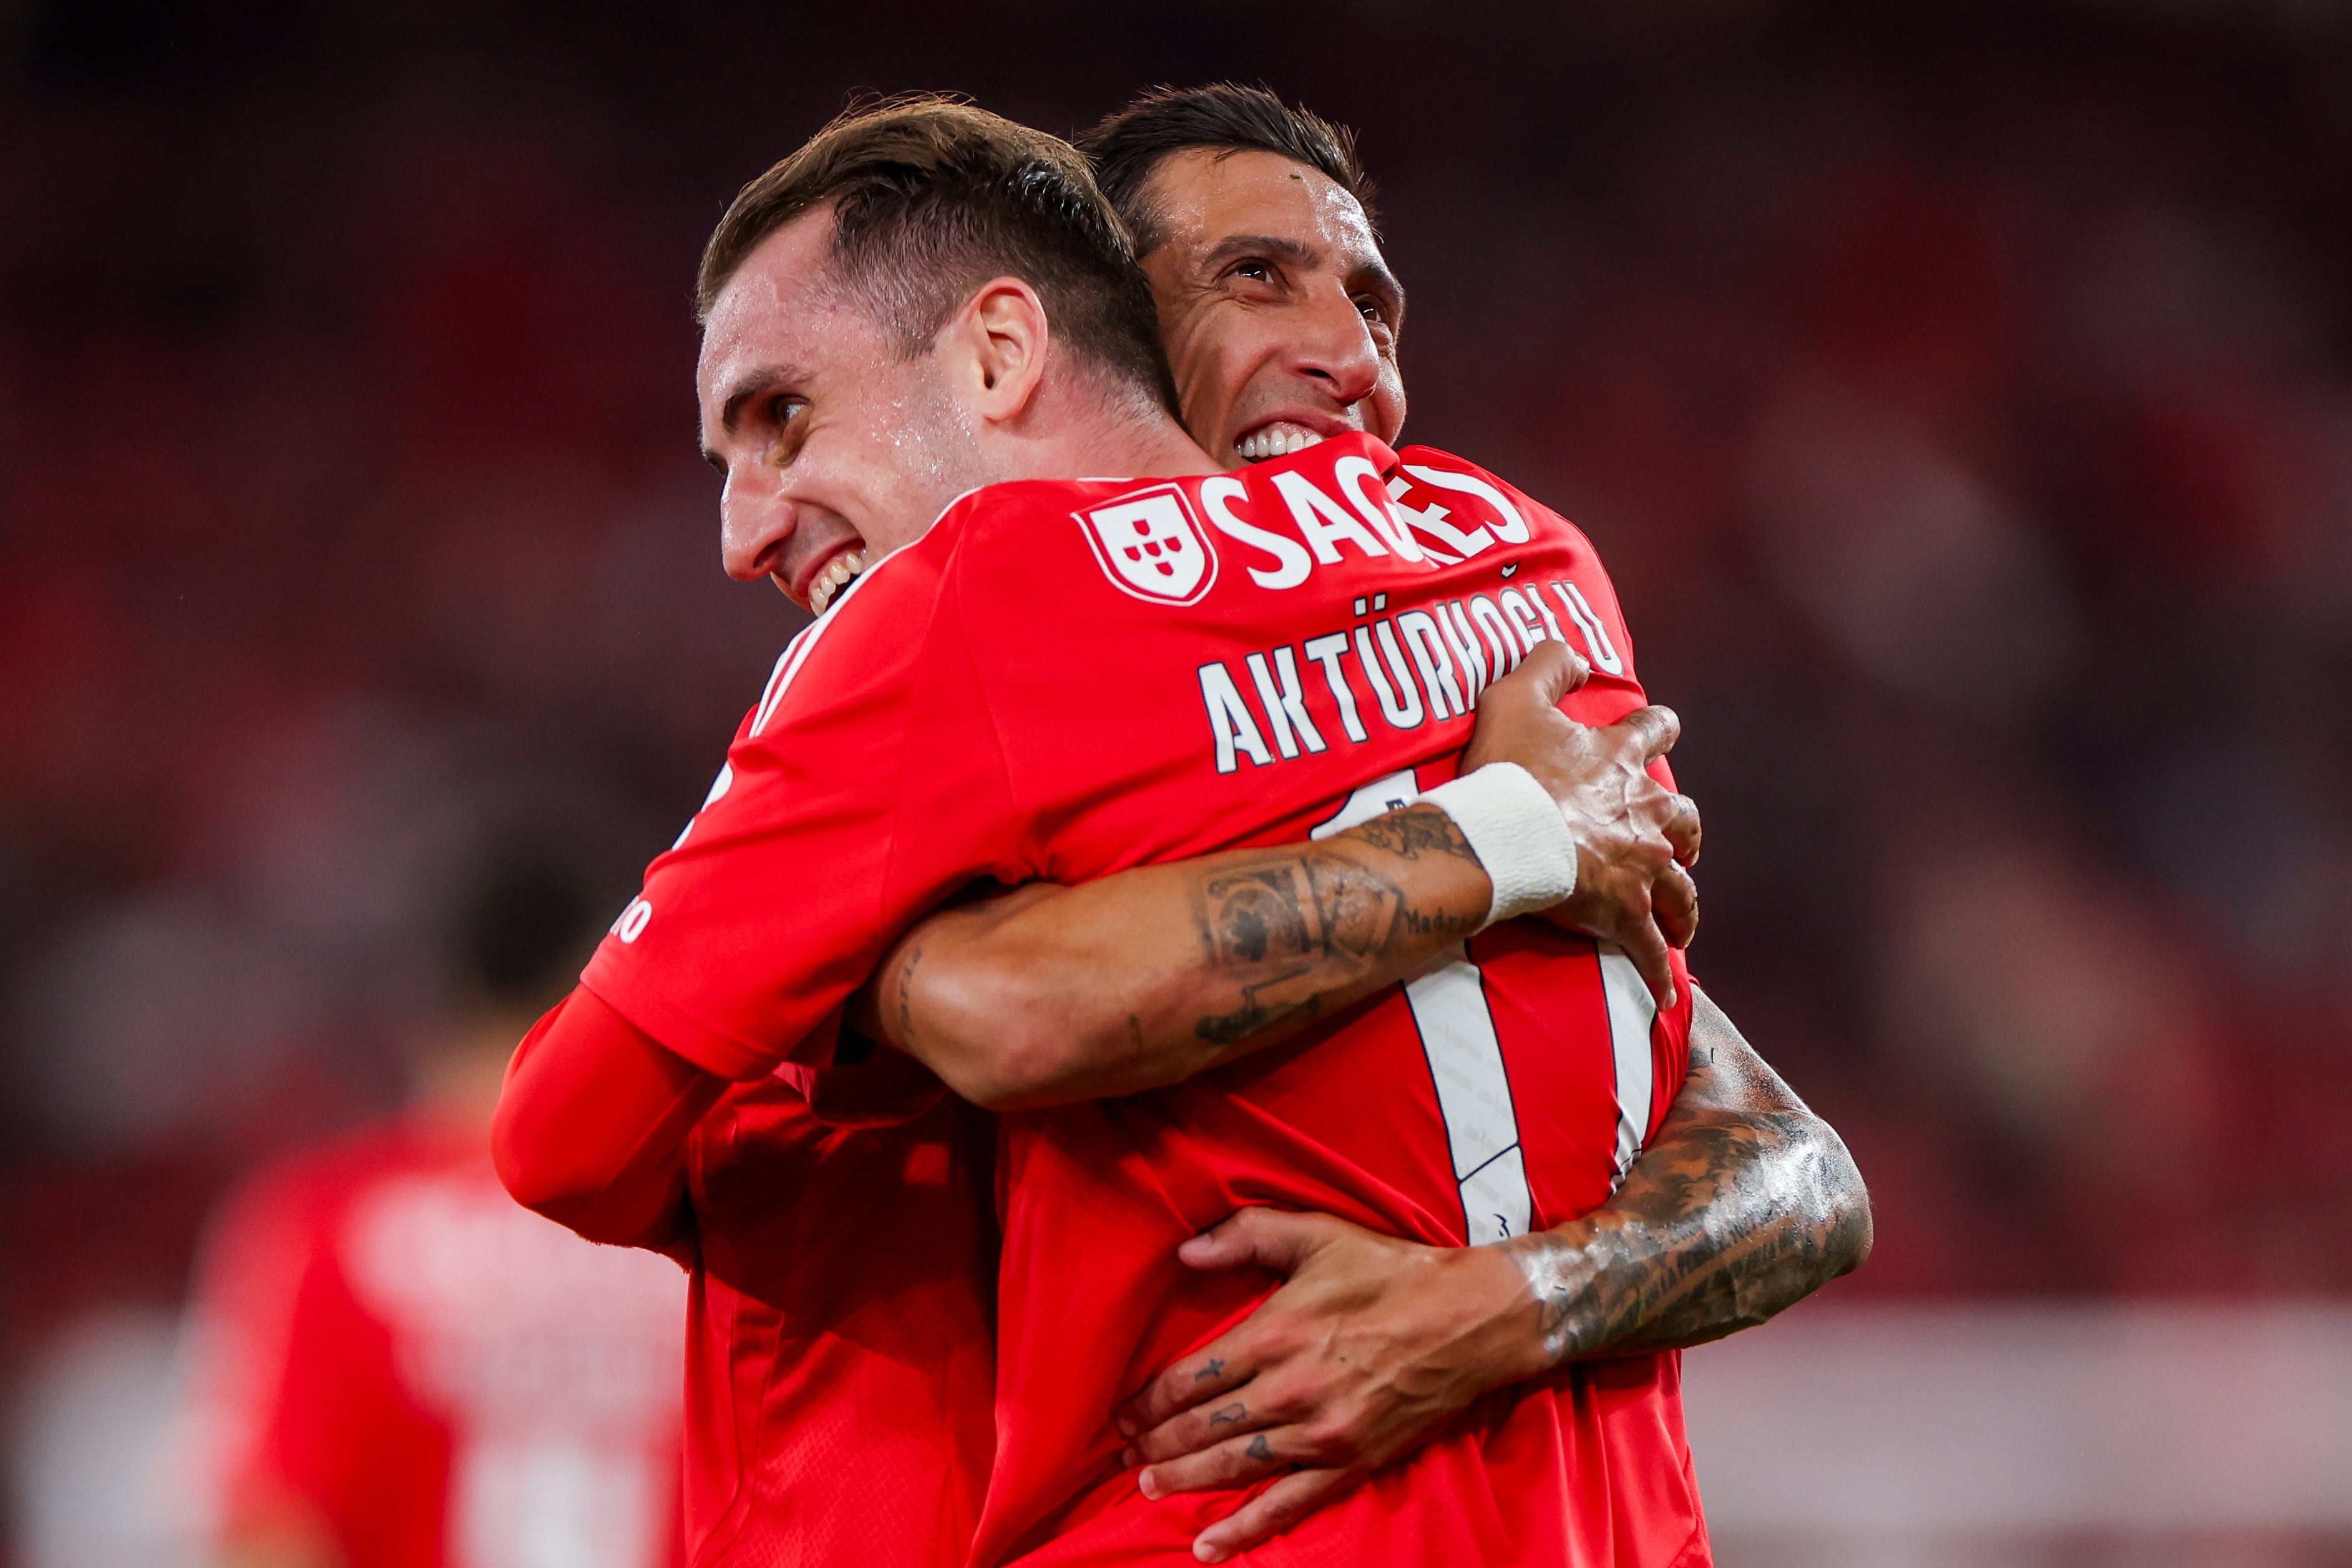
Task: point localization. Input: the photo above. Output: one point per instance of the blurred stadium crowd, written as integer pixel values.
(1963, 402)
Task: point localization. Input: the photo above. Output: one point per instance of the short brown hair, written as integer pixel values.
(931, 197)
(1224, 116)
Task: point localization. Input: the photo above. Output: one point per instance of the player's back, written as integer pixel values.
(1286, 670)
(1066, 679)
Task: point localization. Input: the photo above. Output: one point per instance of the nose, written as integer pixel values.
(755, 522)
(1337, 349)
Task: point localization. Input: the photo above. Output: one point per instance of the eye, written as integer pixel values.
(1257, 269)
(784, 408)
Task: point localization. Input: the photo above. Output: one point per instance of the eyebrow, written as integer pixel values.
(1374, 273)
(749, 385)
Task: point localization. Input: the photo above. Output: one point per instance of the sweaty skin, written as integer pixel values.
(1280, 315)
(1281, 321)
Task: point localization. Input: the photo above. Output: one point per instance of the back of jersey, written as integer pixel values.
(1193, 666)
(1064, 679)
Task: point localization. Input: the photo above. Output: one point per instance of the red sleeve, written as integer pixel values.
(592, 1123)
(865, 788)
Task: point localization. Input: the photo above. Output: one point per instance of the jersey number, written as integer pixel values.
(1448, 1001)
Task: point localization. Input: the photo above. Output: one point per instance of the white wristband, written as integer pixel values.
(1515, 828)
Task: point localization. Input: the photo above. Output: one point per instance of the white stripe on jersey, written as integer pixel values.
(1631, 1011)
(1473, 1095)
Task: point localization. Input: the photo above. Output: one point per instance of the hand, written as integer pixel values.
(1370, 1344)
(1633, 835)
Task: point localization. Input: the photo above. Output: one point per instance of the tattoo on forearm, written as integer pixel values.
(1415, 832)
(1300, 926)
(1290, 929)
(1726, 1221)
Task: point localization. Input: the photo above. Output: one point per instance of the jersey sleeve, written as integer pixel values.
(865, 788)
(592, 1127)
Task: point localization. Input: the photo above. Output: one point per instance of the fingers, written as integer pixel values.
(1574, 673)
(1237, 1461)
(1674, 902)
(1550, 670)
(1655, 727)
(1204, 1428)
(1646, 945)
(1270, 1238)
(1275, 1508)
(1681, 829)
(1218, 1369)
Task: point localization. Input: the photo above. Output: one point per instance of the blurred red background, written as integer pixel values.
(1961, 397)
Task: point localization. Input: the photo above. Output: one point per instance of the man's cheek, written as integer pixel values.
(1387, 413)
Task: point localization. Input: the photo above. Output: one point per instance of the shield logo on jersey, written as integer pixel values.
(1151, 546)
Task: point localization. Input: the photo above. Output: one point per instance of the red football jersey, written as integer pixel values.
(1067, 679)
(392, 1350)
(840, 1350)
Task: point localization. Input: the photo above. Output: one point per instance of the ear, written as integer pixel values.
(994, 349)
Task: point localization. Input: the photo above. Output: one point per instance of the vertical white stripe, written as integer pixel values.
(1631, 1011)
(1466, 1059)
(1473, 1095)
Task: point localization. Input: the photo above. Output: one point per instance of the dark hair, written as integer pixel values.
(931, 197)
(521, 929)
(1224, 116)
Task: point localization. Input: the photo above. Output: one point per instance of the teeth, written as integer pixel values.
(1276, 440)
(834, 578)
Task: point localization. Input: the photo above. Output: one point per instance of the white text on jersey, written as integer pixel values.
(1411, 668)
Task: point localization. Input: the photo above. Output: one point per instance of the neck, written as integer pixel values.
(1079, 427)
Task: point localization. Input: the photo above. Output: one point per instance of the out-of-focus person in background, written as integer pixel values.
(396, 1366)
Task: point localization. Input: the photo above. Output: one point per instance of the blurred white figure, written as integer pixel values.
(398, 1367)
(93, 1477)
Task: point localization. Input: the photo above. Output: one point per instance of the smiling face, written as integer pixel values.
(832, 446)
(1279, 314)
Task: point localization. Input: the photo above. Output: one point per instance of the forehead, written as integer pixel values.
(781, 307)
(1203, 195)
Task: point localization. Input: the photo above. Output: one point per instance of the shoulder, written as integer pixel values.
(1019, 503)
(1071, 543)
(1020, 515)
(1454, 482)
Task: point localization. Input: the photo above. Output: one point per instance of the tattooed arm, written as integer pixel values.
(1744, 1204)
(1048, 994)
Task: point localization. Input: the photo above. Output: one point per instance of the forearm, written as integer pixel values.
(1734, 1213)
(592, 1122)
(1142, 979)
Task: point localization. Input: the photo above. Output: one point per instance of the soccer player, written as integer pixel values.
(1051, 682)
(783, 1196)
(1281, 319)
(840, 1357)
(399, 1368)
